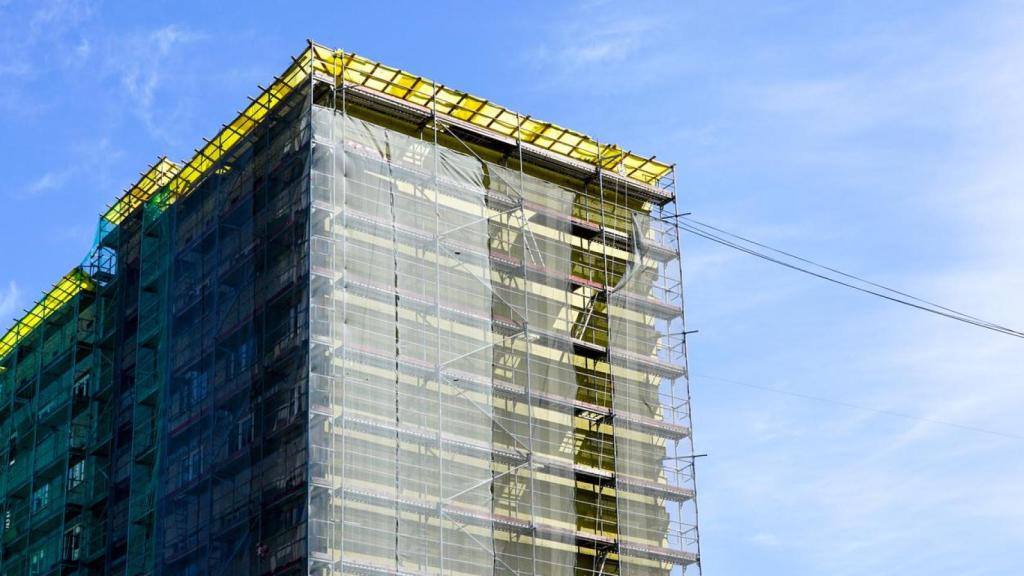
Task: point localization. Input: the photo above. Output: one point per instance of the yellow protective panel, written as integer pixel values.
(378, 77)
(180, 180)
(151, 181)
(243, 124)
(63, 291)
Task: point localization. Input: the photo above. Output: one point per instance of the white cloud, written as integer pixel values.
(9, 300)
(596, 43)
(142, 78)
(14, 68)
(608, 49)
(45, 183)
(975, 376)
(766, 539)
(45, 29)
(84, 158)
(615, 42)
(869, 493)
(83, 49)
(47, 38)
(55, 16)
(168, 37)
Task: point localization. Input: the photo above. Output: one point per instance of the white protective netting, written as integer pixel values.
(651, 412)
(449, 304)
(408, 383)
(538, 366)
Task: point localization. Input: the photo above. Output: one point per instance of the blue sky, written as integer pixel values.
(884, 138)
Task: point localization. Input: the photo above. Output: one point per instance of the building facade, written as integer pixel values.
(375, 326)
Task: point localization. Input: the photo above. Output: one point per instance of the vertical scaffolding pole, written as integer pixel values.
(437, 321)
(308, 207)
(606, 288)
(344, 247)
(530, 407)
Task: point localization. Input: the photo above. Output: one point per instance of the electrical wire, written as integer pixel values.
(824, 267)
(830, 274)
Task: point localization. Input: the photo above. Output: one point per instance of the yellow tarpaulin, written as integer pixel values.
(63, 291)
(355, 70)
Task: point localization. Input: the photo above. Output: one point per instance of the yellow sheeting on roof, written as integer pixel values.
(246, 121)
(360, 71)
(70, 285)
(149, 184)
(364, 72)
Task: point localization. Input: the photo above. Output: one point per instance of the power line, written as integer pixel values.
(863, 408)
(831, 274)
(824, 267)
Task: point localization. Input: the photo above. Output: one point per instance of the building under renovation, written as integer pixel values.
(375, 326)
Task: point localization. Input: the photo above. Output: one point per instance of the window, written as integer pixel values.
(190, 464)
(196, 388)
(243, 433)
(81, 387)
(286, 412)
(76, 475)
(37, 561)
(72, 544)
(241, 358)
(41, 497)
(189, 393)
(195, 462)
(295, 406)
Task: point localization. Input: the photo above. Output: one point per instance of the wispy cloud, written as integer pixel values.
(597, 44)
(607, 42)
(84, 159)
(82, 50)
(55, 16)
(766, 539)
(143, 78)
(51, 24)
(860, 492)
(9, 300)
(49, 37)
(45, 183)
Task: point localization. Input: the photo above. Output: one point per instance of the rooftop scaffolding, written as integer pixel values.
(64, 290)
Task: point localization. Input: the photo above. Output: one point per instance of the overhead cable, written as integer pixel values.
(830, 274)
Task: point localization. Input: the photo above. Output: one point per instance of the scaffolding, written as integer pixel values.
(44, 419)
(497, 377)
(375, 326)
